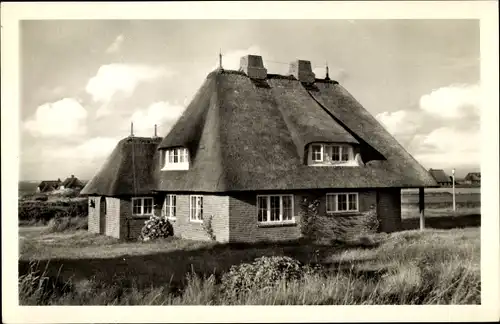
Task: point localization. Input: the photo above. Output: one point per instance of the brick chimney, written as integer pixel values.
(302, 71)
(253, 67)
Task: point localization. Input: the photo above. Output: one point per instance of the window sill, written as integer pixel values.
(277, 224)
(196, 221)
(140, 216)
(172, 219)
(347, 213)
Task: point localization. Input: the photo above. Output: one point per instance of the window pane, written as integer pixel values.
(262, 209)
(345, 153)
(174, 206)
(181, 155)
(136, 208)
(287, 207)
(335, 153)
(170, 156)
(330, 203)
(199, 208)
(275, 208)
(148, 205)
(316, 153)
(176, 155)
(353, 202)
(342, 202)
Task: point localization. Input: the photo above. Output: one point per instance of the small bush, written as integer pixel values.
(208, 228)
(263, 274)
(156, 227)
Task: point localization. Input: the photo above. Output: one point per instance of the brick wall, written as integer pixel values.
(244, 227)
(93, 218)
(389, 210)
(215, 205)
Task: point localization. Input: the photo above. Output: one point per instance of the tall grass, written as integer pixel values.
(407, 268)
(67, 223)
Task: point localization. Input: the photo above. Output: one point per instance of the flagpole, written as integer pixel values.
(453, 176)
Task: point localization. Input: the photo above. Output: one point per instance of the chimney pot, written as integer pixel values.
(302, 71)
(72, 175)
(253, 67)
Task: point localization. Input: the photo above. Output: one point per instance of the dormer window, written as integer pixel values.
(324, 154)
(176, 159)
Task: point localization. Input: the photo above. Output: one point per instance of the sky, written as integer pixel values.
(84, 81)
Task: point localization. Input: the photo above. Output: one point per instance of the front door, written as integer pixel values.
(102, 215)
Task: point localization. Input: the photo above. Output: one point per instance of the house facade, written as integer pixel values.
(249, 150)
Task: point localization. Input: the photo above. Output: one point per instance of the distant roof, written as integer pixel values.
(473, 176)
(440, 175)
(246, 134)
(48, 185)
(72, 182)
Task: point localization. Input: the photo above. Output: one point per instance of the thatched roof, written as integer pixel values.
(473, 176)
(440, 175)
(49, 185)
(72, 182)
(247, 134)
(128, 170)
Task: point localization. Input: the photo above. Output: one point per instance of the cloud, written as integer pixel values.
(120, 78)
(116, 45)
(65, 117)
(450, 148)
(82, 160)
(452, 102)
(444, 131)
(401, 122)
(161, 113)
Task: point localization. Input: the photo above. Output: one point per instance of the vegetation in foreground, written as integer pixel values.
(412, 267)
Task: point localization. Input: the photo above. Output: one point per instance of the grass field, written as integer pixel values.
(411, 267)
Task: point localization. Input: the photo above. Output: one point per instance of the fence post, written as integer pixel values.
(421, 207)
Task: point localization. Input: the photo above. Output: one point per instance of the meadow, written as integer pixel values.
(60, 263)
(410, 267)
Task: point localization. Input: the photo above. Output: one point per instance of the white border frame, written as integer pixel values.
(485, 11)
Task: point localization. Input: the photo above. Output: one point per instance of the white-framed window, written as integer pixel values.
(176, 159)
(170, 206)
(325, 154)
(142, 206)
(275, 208)
(317, 152)
(342, 202)
(196, 208)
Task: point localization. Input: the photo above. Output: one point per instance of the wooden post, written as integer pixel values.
(421, 207)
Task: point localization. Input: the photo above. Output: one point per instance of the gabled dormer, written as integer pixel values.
(175, 158)
(333, 154)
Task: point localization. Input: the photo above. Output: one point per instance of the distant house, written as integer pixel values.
(72, 183)
(441, 177)
(249, 150)
(473, 178)
(49, 185)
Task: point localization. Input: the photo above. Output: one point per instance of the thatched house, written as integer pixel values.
(247, 150)
(473, 178)
(48, 185)
(72, 183)
(441, 177)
